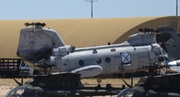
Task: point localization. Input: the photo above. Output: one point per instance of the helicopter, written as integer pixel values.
(157, 86)
(165, 85)
(43, 47)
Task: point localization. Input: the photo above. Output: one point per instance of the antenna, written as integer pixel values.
(91, 6)
(176, 7)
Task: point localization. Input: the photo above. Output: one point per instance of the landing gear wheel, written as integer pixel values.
(99, 80)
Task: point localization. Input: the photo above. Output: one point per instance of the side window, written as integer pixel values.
(126, 59)
(98, 61)
(81, 62)
(108, 60)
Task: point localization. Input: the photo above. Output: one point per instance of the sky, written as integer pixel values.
(65, 9)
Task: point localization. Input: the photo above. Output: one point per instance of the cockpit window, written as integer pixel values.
(159, 51)
(23, 91)
(132, 93)
(20, 91)
(164, 52)
(17, 92)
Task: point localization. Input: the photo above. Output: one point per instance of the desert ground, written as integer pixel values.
(7, 84)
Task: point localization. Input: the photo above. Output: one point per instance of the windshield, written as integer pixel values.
(131, 93)
(17, 92)
(163, 52)
(23, 91)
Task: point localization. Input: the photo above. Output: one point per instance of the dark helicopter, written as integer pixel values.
(59, 85)
(157, 86)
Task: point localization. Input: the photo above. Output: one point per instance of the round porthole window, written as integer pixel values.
(108, 60)
(98, 61)
(81, 62)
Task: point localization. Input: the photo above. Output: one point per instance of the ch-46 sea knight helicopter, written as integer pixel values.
(161, 86)
(43, 47)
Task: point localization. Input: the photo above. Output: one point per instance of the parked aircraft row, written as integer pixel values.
(44, 48)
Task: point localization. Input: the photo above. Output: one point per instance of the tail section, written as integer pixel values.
(36, 42)
(171, 40)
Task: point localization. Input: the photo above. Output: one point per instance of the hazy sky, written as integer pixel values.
(50, 9)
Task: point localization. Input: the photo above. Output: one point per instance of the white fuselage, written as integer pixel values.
(111, 59)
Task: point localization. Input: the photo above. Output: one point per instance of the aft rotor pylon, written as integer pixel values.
(36, 24)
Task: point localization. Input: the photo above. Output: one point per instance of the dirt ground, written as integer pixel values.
(8, 84)
(4, 90)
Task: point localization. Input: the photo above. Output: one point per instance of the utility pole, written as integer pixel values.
(176, 7)
(91, 6)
